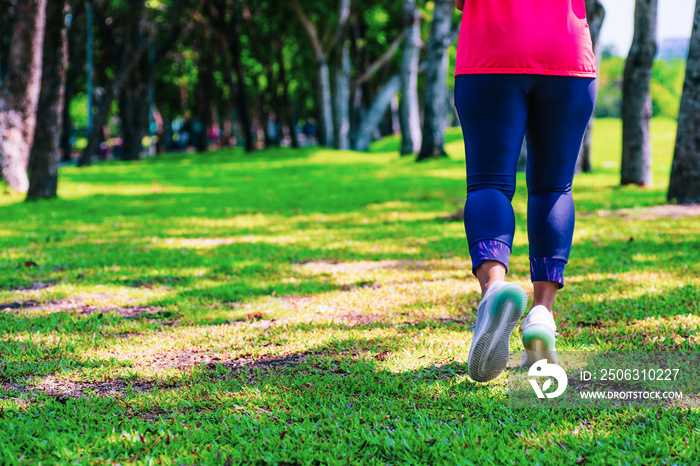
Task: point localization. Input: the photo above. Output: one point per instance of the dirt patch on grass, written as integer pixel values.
(317, 267)
(78, 305)
(34, 286)
(656, 212)
(210, 358)
(190, 357)
(184, 360)
(306, 309)
(52, 386)
(181, 359)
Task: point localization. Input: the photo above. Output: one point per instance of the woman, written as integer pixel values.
(523, 67)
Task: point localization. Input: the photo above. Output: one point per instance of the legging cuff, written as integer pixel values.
(547, 269)
(489, 250)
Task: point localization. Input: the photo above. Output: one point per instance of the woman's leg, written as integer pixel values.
(559, 110)
(488, 273)
(493, 113)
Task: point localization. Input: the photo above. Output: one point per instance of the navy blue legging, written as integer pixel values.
(496, 111)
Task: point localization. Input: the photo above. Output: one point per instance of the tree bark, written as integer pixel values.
(376, 112)
(595, 14)
(325, 101)
(133, 108)
(409, 111)
(321, 52)
(45, 153)
(341, 99)
(684, 185)
(205, 88)
(19, 95)
(636, 97)
(435, 98)
(7, 23)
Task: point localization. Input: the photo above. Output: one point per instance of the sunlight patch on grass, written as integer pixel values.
(210, 243)
(240, 221)
(687, 323)
(334, 157)
(455, 149)
(81, 190)
(451, 174)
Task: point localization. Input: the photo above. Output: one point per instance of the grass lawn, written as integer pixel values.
(314, 306)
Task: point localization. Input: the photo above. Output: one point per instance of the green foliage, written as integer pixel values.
(666, 87)
(314, 307)
(609, 87)
(78, 110)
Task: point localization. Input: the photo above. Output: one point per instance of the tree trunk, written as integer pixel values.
(272, 136)
(7, 23)
(435, 99)
(636, 97)
(133, 108)
(325, 102)
(286, 102)
(130, 56)
(45, 153)
(234, 42)
(376, 112)
(395, 123)
(341, 99)
(321, 52)
(595, 14)
(76, 38)
(205, 88)
(101, 117)
(228, 73)
(19, 95)
(684, 185)
(409, 111)
(359, 63)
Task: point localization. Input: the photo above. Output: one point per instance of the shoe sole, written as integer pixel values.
(539, 343)
(490, 350)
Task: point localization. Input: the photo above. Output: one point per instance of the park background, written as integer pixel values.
(204, 286)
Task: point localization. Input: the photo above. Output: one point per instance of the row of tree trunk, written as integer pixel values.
(684, 184)
(349, 119)
(338, 103)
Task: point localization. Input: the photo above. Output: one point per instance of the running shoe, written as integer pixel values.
(498, 313)
(539, 337)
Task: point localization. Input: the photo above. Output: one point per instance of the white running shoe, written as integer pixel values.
(498, 314)
(539, 337)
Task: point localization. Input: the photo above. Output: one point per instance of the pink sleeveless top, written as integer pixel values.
(548, 37)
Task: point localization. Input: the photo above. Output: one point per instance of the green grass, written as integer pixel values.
(313, 306)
